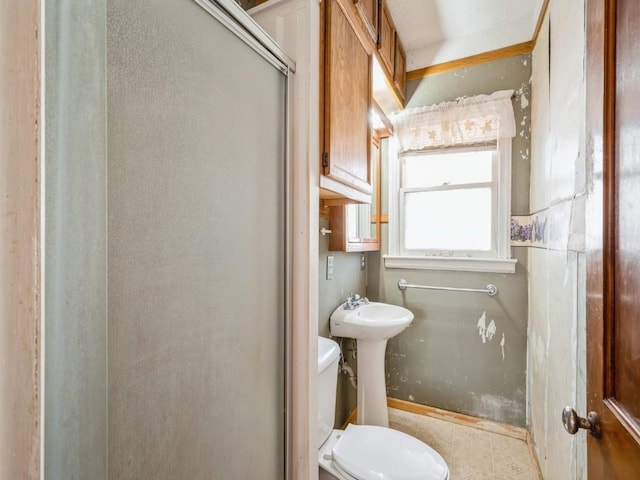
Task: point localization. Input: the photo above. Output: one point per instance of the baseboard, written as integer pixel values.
(534, 454)
(353, 416)
(459, 418)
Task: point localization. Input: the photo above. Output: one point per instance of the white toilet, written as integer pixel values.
(366, 452)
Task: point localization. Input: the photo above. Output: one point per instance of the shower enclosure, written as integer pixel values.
(166, 293)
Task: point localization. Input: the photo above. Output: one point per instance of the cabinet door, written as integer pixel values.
(400, 69)
(386, 47)
(368, 10)
(347, 100)
(356, 227)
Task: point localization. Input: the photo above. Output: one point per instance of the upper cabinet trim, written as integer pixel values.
(498, 54)
(511, 51)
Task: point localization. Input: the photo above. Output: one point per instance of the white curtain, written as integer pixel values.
(473, 120)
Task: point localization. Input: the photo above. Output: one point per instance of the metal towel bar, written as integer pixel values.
(490, 289)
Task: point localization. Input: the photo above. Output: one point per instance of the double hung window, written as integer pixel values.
(452, 207)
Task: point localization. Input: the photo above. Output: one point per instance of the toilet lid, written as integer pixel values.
(377, 453)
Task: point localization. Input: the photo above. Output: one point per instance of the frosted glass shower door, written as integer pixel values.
(196, 248)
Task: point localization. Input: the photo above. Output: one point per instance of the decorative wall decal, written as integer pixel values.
(521, 230)
(550, 228)
(539, 228)
(529, 230)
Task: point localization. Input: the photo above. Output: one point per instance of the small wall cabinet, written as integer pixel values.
(356, 227)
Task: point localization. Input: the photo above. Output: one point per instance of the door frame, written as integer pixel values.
(20, 240)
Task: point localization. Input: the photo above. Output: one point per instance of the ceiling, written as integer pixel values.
(438, 31)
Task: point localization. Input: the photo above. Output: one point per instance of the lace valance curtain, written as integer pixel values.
(473, 120)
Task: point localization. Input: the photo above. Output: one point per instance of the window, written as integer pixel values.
(452, 207)
(451, 203)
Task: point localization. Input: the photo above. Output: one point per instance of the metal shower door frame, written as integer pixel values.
(234, 18)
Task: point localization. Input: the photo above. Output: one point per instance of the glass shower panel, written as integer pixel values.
(196, 248)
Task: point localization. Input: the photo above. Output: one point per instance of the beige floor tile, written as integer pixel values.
(470, 453)
(403, 421)
(475, 461)
(508, 445)
(464, 472)
(516, 467)
(438, 434)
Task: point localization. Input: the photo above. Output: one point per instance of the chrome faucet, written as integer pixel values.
(354, 301)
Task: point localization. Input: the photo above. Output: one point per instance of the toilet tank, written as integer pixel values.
(328, 355)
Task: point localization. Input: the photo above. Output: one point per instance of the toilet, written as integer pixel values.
(365, 452)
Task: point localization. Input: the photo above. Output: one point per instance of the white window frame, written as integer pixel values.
(498, 261)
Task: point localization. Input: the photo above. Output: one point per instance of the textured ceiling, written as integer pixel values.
(437, 31)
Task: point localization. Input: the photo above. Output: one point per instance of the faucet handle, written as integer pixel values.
(352, 301)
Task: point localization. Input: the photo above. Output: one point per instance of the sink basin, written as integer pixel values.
(372, 321)
(371, 324)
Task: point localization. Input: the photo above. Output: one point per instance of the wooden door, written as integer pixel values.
(347, 99)
(613, 237)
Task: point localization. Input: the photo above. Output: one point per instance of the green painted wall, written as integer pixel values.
(347, 278)
(441, 360)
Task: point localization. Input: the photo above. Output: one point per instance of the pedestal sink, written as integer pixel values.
(371, 324)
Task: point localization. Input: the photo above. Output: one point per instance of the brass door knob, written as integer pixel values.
(572, 422)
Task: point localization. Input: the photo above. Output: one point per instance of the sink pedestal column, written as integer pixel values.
(372, 392)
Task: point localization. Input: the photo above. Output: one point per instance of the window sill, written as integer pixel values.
(458, 264)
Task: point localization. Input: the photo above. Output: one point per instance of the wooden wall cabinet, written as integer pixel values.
(400, 68)
(386, 44)
(368, 11)
(353, 32)
(356, 228)
(345, 168)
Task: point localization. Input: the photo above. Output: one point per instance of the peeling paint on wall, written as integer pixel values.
(482, 326)
(491, 330)
(524, 101)
(486, 333)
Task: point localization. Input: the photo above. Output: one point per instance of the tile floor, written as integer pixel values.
(471, 453)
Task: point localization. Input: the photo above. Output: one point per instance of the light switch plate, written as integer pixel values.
(329, 267)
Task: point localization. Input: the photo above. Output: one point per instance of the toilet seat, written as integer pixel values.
(367, 452)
